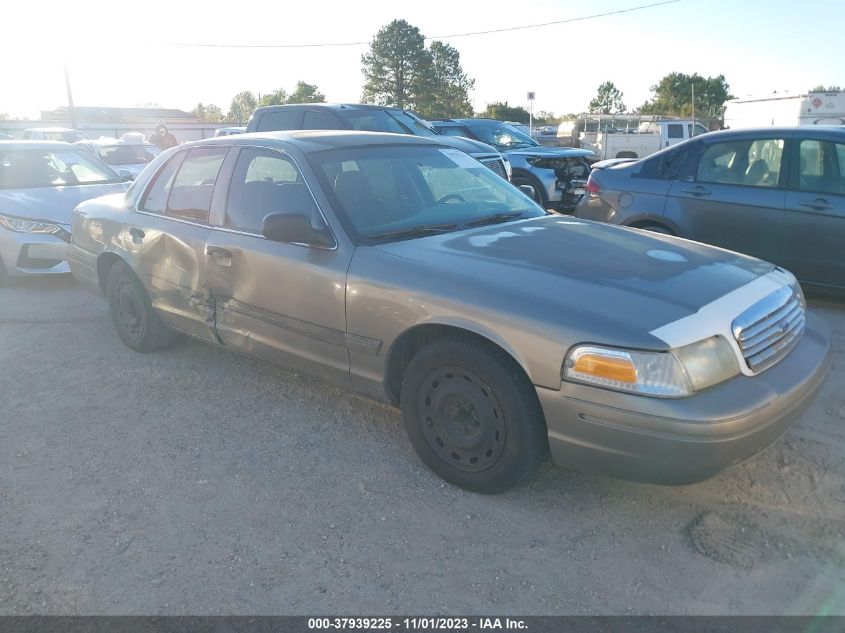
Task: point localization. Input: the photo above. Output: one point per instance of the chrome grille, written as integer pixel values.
(769, 329)
(496, 165)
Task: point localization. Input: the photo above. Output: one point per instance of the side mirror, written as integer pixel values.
(291, 228)
(528, 190)
(125, 175)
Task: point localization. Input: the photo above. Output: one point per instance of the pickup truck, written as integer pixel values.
(648, 138)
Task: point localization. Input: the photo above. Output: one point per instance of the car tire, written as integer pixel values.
(137, 324)
(539, 197)
(472, 416)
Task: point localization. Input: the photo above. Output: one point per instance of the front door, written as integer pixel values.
(814, 224)
(734, 200)
(168, 239)
(285, 303)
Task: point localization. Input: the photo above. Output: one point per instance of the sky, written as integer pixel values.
(118, 57)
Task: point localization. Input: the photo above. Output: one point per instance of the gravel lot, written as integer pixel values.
(194, 481)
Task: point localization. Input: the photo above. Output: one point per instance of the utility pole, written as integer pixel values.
(693, 102)
(531, 114)
(71, 113)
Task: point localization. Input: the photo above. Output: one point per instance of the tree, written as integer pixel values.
(447, 85)
(673, 95)
(209, 113)
(396, 67)
(505, 112)
(242, 107)
(306, 93)
(608, 100)
(821, 88)
(277, 97)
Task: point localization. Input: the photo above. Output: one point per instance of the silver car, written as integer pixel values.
(408, 272)
(40, 184)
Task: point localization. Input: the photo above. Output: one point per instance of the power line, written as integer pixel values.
(435, 37)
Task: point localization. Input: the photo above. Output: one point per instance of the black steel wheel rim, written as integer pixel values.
(130, 312)
(461, 419)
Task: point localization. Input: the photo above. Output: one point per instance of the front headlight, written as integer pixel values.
(22, 225)
(673, 374)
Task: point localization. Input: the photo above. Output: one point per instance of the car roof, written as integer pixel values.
(107, 141)
(328, 106)
(50, 129)
(53, 145)
(308, 141)
(785, 130)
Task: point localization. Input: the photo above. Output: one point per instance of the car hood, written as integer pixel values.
(565, 268)
(53, 204)
(549, 152)
(467, 145)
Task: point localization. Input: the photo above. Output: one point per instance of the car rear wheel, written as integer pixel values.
(137, 324)
(472, 416)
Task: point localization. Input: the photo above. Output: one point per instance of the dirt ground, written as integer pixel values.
(194, 481)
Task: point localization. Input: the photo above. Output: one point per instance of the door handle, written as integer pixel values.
(137, 234)
(819, 204)
(221, 256)
(698, 190)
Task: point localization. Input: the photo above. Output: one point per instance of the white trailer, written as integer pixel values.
(809, 108)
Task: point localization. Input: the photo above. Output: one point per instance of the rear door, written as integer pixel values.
(284, 303)
(814, 223)
(168, 239)
(735, 197)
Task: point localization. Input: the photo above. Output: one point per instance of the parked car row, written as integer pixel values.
(414, 273)
(773, 193)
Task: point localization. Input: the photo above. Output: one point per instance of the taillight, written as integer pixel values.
(592, 189)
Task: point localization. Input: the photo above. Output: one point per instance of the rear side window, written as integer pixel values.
(277, 120)
(751, 163)
(316, 120)
(821, 167)
(675, 130)
(190, 196)
(265, 182)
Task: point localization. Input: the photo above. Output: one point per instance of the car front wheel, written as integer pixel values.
(137, 324)
(472, 416)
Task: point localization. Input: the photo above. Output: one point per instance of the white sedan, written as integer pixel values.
(127, 155)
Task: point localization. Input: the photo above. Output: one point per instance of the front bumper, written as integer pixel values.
(28, 254)
(679, 441)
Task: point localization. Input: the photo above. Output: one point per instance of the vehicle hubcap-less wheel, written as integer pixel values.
(130, 311)
(462, 420)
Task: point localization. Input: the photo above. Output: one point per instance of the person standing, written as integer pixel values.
(162, 138)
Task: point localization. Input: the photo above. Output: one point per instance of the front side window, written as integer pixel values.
(193, 186)
(265, 182)
(26, 168)
(754, 163)
(387, 193)
(821, 167)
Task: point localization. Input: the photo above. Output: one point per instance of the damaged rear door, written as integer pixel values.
(169, 239)
(281, 302)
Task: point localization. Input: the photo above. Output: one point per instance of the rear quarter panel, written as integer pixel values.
(626, 198)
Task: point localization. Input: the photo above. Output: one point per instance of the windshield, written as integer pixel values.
(25, 168)
(396, 121)
(128, 154)
(385, 192)
(502, 136)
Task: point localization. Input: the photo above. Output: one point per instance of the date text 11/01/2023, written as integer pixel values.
(417, 624)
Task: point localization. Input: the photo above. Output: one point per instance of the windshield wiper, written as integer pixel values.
(495, 219)
(416, 231)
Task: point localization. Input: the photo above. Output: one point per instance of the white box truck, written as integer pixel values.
(809, 108)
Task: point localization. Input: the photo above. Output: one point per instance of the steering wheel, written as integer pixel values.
(451, 196)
